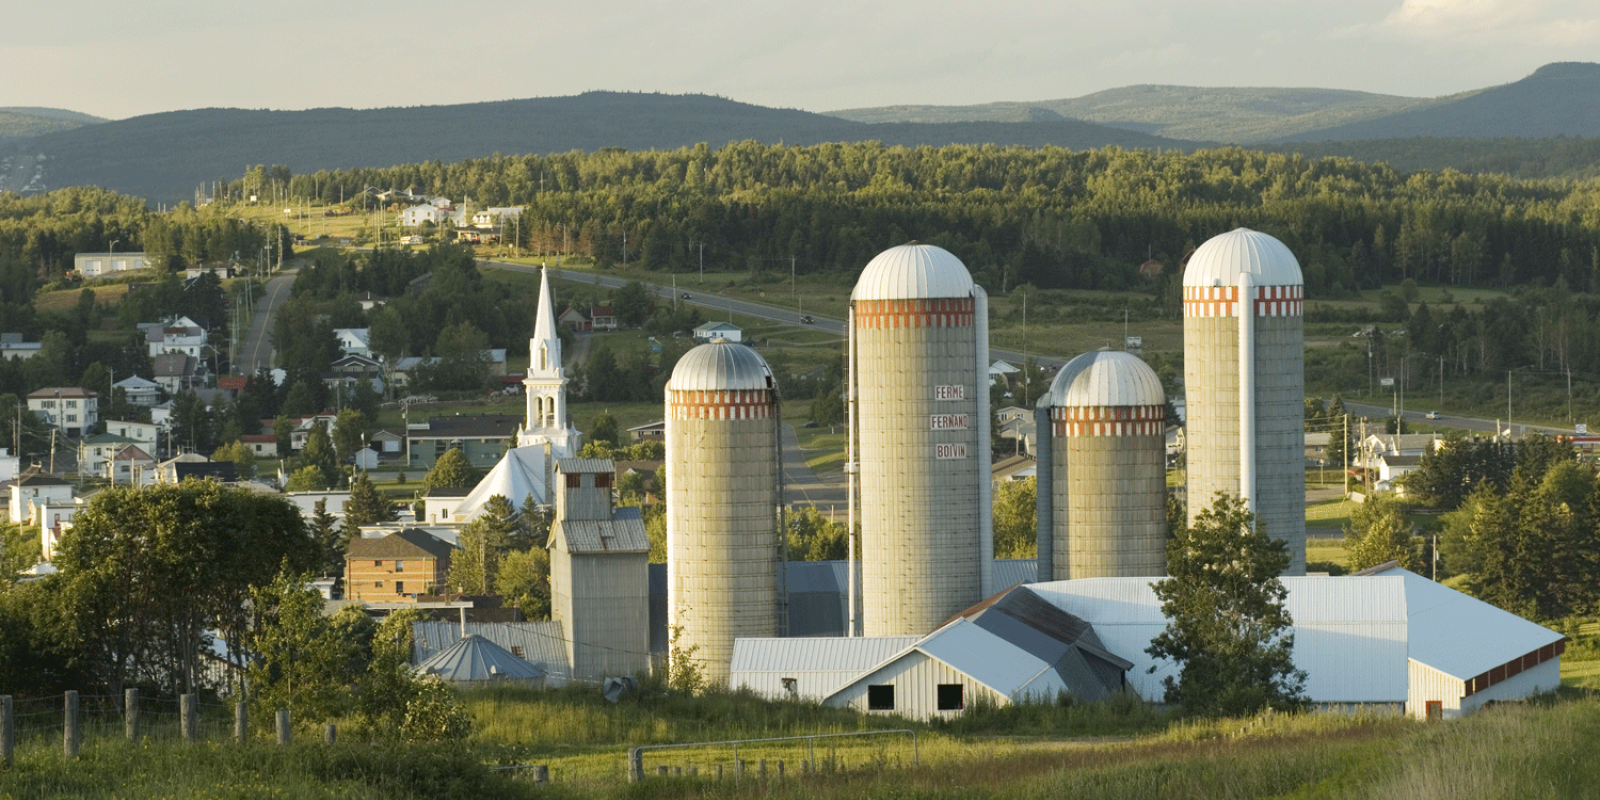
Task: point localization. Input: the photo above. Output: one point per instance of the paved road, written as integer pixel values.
(256, 349)
(1376, 415)
(801, 487)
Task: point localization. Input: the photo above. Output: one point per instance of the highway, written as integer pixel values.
(1377, 414)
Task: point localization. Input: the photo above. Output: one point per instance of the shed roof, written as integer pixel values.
(474, 658)
(819, 665)
(623, 533)
(540, 643)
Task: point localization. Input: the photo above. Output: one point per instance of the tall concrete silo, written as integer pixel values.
(920, 421)
(1103, 496)
(724, 549)
(1244, 366)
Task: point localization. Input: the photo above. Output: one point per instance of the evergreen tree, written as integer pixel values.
(319, 453)
(1379, 532)
(366, 505)
(1227, 627)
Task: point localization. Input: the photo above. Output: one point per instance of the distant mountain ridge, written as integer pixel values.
(1560, 99)
(164, 157)
(17, 123)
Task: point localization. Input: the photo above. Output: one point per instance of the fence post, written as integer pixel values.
(69, 730)
(8, 731)
(186, 716)
(241, 722)
(661, 770)
(329, 734)
(283, 726)
(761, 769)
(541, 774)
(738, 768)
(780, 769)
(130, 714)
(635, 765)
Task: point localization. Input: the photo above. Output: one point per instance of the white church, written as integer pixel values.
(546, 435)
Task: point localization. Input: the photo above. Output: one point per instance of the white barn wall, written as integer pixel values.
(916, 679)
(1427, 683)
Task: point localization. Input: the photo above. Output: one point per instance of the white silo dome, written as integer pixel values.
(1222, 258)
(1105, 378)
(720, 365)
(913, 271)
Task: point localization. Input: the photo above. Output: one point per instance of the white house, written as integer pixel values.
(140, 391)
(185, 339)
(35, 488)
(68, 409)
(354, 341)
(145, 434)
(12, 346)
(718, 330)
(427, 212)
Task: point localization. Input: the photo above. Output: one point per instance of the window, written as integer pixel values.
(72, 417)
(47, 404)
(72, 404)
(880, 698)
(399, 566)
(377, 563)
(377, 584)
(602, 480)
(516, 650)
(399, 587)
(950, 698)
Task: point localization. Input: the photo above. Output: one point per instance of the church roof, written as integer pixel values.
(519, 474)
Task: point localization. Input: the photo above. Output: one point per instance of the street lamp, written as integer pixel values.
(1508, 394)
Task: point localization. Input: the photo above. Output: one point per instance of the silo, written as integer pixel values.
(1107, 479)
(723, 543)
(1244, 367)
(920, 421)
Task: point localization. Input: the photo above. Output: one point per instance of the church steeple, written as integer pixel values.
(546, 383)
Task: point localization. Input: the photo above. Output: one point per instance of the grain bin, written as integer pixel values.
(1244, 367)
(1106, 483)
(920, 422)
(723, 543)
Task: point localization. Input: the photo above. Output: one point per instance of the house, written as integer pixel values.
(192, 465)
(35, 488)
(176, 372)
(186, 339)
(262, 445)
(708, 331)
(440, 505)
(349, 370)
(426, 212)
(482, 438)
(144, 433)
(12, 346)
(651, 432)
(94, 265)
(54, 520)
(95, 453)
(130, 464)
(602, 318)
(396, 568)
(354, 341)
(161, 415)
(68, 409)
(369, 301)
(1406, 444)
(139, 391)
(1391, 466)
(574, 319)
(10, 465)
(489, 218)
(306, 502)
(389, 443)
(1317, 447)
(1015, 468)
(1010, 413)
(1002, 372)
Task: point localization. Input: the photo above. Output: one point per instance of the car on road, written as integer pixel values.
(807, 319)
(684, 296)
(1433, 415)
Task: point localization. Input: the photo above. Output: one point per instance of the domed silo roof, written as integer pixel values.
(913, 271)
(1105, 378)
(720, 365)
(1222, 258)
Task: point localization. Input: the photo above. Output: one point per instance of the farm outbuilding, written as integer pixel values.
(476, 661)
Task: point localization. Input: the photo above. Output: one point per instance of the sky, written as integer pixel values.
(117, 59)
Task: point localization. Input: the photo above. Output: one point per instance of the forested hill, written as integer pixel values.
(164, 157)
(18, 123)
(1556, 100)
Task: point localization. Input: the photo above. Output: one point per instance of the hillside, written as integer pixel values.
(18, 123)
(163, 157)
(1556, 100)
(1236, 115)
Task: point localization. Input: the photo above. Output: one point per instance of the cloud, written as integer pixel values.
(1555, 23)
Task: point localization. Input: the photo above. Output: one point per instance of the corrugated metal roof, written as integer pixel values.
(1106, 378)
(572, 466)
(475, 658)
(539, 643)
(985, 657)
(820, 666)
(623, 533)
(1012, 571)
(718, 366)
(1462, 636)
(913, 271)
(1222, 258)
